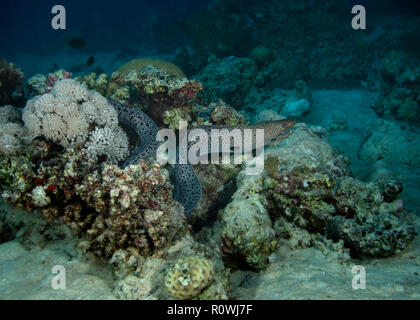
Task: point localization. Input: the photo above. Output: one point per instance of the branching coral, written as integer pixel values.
(97, 82)
(109, 142)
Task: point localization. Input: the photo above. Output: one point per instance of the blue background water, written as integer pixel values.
(127, 26)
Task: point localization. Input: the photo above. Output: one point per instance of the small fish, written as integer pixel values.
(90, 61)
(77, 43)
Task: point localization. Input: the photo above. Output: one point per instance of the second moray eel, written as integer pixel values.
(187, 185)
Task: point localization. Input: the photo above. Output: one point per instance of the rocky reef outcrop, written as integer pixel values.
(306, 193)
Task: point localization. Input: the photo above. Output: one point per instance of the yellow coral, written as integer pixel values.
(139, 64)
(188, 277)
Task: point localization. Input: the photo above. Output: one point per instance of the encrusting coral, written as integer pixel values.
(159, 90)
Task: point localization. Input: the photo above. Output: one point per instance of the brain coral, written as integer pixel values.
(72, 116)
(138, 65)
(188, 277)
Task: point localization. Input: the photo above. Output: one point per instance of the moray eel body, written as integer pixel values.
(274, 131)
(187, 185)
(143, 126)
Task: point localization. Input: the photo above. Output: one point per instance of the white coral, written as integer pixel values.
(110, 142)
(39, 197)
(71, 115)
(66, 114)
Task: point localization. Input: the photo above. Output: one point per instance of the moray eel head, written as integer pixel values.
(276, 131)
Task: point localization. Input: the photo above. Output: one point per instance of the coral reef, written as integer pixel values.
(141, 212)
(320, 60)
(40, 84)
(222, 114)
(307, 192)
(229, 78)
(172, 117)
(113, 208)
(158, 90)
(188, 277)
(400, 85)
(218, 184)
(368, 225)
(328, 49)
(248, 236)
(262, 55)
(11, 84)
(97, 82)
(268, 115)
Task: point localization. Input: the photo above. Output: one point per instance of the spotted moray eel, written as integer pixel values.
(187, 185)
